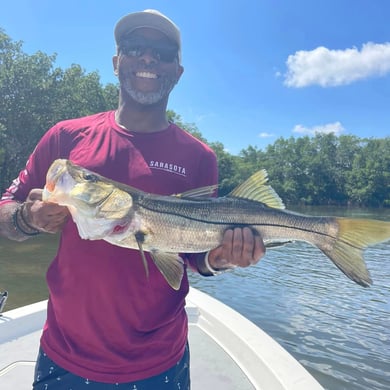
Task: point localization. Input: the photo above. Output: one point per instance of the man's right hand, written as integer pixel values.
(44, 216)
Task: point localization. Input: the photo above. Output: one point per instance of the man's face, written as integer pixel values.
(147, 66)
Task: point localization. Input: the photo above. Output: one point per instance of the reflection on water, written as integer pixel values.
(22, 269)
(338, 330)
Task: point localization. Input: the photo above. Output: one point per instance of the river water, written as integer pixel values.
(338, 330)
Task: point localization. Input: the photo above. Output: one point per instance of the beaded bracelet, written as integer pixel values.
(17, 224)
(24, 219)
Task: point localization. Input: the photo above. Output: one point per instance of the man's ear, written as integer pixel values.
(115, 64)
(180, 71)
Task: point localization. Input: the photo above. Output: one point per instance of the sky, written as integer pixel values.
(254, 70)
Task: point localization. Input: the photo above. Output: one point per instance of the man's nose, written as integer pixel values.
(148, 56)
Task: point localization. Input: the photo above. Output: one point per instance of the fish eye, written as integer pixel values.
(90, 177)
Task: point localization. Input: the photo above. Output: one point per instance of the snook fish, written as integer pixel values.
(193, 222)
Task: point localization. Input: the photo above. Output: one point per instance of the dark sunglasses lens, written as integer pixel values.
(130, 50)
(166, 54)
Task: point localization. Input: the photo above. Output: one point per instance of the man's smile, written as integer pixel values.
(146, 75)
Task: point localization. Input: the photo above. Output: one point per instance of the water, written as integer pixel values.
(338, 330)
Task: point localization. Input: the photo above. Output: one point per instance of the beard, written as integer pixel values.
(148, 98)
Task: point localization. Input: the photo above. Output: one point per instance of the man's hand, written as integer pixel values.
(240, 247)
(44, 216)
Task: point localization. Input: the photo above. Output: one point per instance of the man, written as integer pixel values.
(107, 322)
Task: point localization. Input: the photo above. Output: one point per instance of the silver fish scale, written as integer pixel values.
(178, 224)
(175, 225)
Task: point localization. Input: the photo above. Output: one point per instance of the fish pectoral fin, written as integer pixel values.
(171, 266)
(140, 237)
(256, 188)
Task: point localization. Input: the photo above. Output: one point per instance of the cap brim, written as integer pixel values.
(136, 20)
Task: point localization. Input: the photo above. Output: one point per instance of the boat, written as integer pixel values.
(228, 351)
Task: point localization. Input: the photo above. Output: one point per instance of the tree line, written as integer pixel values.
(319, 170)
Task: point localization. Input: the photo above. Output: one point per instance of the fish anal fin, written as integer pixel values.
(256, 188)
(171, 266)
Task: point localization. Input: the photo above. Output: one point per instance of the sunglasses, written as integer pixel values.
(160, 51)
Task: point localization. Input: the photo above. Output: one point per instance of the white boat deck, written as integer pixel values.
(211, 362)
(227, 351)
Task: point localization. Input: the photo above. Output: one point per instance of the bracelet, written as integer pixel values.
(17, 226)
(208, 266)
(205, 269)
(24, 219)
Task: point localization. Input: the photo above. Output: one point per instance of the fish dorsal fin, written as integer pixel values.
(255, 188)
(201, 192)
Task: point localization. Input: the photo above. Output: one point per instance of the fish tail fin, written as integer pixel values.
(354, 235)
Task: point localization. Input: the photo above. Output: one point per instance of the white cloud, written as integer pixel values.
(266, 135)
(336, 128)
(329, 68)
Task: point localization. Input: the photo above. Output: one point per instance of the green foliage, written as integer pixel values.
(326, 169)
(189, 127)
(35, 95)
(110, 95)
(323, 169)
(229, 175)
(369, 179)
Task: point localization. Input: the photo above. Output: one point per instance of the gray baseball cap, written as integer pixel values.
(148, 18)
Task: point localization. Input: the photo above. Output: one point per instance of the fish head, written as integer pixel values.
(96, 204)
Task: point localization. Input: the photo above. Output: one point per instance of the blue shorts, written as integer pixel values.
(49, 376)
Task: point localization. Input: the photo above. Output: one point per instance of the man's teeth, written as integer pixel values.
(147, 75)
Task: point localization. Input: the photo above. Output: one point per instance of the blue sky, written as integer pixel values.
(254, 70)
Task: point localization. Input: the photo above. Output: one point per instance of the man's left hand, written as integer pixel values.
(240, 247)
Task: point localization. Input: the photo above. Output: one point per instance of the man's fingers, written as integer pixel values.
(259, 249)
(248, 246)
(35, 194)
(238, 248)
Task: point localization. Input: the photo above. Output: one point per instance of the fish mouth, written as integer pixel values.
(55, 185)
(54, 176)
(49, 186)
